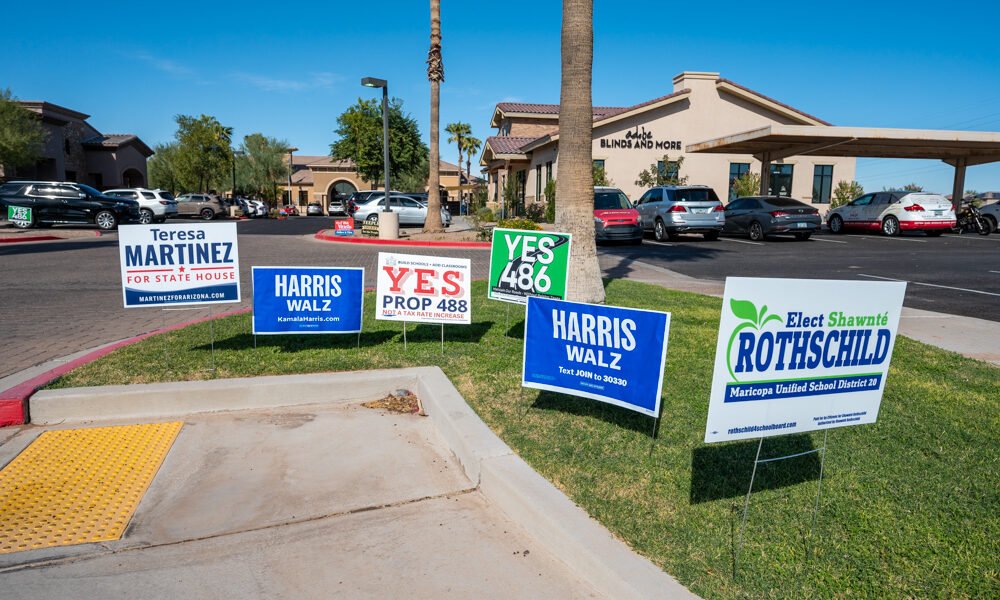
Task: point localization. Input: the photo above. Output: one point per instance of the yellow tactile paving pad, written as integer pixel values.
(77, 486)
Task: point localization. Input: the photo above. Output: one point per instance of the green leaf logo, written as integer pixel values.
(750, 317)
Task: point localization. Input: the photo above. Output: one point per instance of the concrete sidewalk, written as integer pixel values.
(307, 494)
(974, 338)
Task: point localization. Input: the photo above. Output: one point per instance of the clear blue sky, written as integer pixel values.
(288, 70)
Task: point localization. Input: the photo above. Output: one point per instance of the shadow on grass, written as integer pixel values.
(516, 330)
(723, 470)
(292, 343)
(585, 407)
(430, 332)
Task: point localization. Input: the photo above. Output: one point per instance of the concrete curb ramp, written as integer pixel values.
(508, 482)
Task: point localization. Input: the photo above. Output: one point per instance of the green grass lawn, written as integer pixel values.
(910, 505)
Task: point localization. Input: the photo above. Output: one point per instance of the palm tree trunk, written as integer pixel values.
(460, 169)
(435, 74)
(575, 183)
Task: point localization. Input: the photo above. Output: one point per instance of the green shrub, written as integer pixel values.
(535, 212)
(485, 215)
(526, 224)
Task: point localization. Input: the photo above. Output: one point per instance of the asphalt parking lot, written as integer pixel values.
(59, 297)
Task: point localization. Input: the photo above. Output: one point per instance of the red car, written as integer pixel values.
(615, 219)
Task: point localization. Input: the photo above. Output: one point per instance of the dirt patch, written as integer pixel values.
(408, 404)
(466, 235)
(10, 233)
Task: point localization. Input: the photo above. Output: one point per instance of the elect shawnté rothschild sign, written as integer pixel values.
(605, 353)
(528, 263)
(798, 355)
(169, 265)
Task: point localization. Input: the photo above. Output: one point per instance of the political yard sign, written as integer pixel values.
(169, 265)
(307, 300)
(343, 227)
(798, 355)
(614, 355)
(528, 263)
(423, 289)
(19, 215)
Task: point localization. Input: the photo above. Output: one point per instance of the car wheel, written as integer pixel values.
(756, 231)
(145, 216)
(372, 219)
(207, 213)
(890, 226)
(836, 224)
(711, 235)
(803, 236)
(933, 233)
(659, 230)
(106, 220)
(992, 221)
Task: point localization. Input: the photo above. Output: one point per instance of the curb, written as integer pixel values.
(325, 237)
(566, 531)
(40, 238)
(14, 409)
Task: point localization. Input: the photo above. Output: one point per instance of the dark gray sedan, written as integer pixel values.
(761, 216)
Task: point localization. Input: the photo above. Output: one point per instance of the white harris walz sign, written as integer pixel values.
(797, 355)
(423, 289)
(177, 264)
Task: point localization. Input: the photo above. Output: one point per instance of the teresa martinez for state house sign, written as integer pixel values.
(166, 265)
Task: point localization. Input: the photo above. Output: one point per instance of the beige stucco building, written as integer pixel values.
(320, 178)
(627, 140)
(75, 151)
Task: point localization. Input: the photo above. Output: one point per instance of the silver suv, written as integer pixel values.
(154, 205)
(674, 209)
(205, 206)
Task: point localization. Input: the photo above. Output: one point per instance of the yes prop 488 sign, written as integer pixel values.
(528, 263)
(423, 289)
(798, 355)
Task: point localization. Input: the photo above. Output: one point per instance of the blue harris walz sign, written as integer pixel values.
(307, 300)
(605, 353)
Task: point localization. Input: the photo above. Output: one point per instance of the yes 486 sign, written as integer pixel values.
(528, 263)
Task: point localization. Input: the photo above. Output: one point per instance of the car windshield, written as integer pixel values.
(784, 202)
(611, 200)
(90, 191)
(695, 195)
(166, 195)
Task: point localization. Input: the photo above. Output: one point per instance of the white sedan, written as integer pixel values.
(410, 210)
(893, 212)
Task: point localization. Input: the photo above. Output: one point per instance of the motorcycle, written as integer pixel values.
(970, 219)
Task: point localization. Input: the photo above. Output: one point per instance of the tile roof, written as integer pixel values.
(508, 145)
(110, 140)
(553, 109)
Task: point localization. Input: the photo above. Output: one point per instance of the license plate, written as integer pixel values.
(800, 225)
(699, 211)
(938, 213)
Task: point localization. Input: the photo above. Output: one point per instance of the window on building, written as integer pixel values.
(736, 170)
(97, 180)
(70, 175)
(669, 170)
(303, 196)
(599, 163)
(822, 184)
(548, 171)
(781, 180)
(286, 196)
(538, 182)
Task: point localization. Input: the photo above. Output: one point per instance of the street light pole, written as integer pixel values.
(374, 82)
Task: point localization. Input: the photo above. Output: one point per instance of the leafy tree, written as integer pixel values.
(435, 75)
(913, 187)
(204, 154)
(845, 192)
(261, 165)
(550, 201)
(747, 184)
(360, 140)
(471, 146)
(513, 202)
(162, 168)
(575, 191)
(457, 134)
(22, 136)
(415, 180)
(670, 174)
(600, 176)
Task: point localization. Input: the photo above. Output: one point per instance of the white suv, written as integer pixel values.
(154, 205)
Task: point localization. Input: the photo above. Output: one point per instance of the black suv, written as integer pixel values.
(45, 203)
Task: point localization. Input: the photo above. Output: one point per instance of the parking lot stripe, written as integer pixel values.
(742, 241)
(934, 285)
(894, 239)
(977, 237)
(654, 242)
(990, 271)
(815, 239)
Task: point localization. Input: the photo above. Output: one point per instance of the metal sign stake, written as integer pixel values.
(746, 506)
(442, 338)
(819, 491)
(211, 329)
(404, 336)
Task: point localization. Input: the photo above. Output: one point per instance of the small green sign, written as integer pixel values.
(19, 215)
(528, 263)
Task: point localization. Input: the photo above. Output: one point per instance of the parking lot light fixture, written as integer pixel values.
(375, 82)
